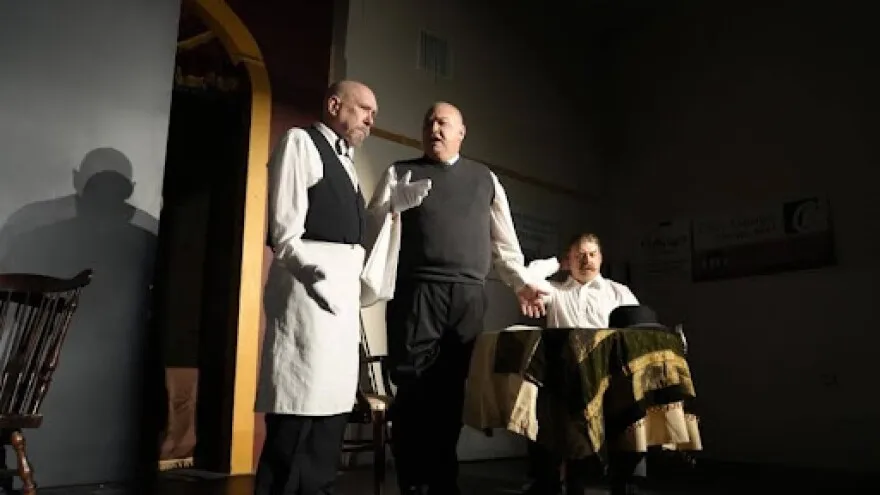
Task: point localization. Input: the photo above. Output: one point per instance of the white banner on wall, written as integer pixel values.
(663, 253)
(767, 239)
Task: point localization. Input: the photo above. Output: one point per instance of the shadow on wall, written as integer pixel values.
(94, 410)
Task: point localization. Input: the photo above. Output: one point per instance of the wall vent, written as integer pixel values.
(434, 56)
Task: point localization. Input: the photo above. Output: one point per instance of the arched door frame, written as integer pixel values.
(242, 48)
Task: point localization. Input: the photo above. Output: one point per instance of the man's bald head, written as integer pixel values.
(344, 88)
(350, 109)
(445, 108)
(443, 131)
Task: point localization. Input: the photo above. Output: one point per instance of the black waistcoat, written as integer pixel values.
(336, 210)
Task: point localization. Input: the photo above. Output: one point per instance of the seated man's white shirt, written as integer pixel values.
(576, 305)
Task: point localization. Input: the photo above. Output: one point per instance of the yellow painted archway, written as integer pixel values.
(243, 49)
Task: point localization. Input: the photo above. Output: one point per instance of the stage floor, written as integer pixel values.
(507, 477)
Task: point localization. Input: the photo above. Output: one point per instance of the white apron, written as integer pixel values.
(310, 357)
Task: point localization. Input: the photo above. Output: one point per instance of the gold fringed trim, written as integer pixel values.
(666, 407)
(637, 424)
(663, 408)
(171, 464)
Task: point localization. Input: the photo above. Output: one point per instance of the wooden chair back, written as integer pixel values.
(35, 314)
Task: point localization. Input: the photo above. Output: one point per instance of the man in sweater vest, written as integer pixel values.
(310, 361)
(453, 229)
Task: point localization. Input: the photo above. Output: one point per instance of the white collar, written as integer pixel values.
(339, 144)
(450, 162)
(596, 283)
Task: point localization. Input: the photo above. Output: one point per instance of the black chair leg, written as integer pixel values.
(378, 451)
(6, 481)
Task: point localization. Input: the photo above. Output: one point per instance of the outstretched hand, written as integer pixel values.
(531, 301)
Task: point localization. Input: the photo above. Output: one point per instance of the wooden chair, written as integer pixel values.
(35, 313)
(374, 398)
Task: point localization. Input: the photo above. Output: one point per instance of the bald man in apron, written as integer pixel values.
(310, 360)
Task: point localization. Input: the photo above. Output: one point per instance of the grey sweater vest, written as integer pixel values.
(447, 237)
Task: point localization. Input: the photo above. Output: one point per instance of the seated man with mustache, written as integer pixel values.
(584, 300)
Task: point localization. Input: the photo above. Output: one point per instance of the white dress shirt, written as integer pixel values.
(294, 167)
(506, 252)
(576, 305)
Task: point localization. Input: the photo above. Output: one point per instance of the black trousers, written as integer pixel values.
(300, 455)
(431, 332)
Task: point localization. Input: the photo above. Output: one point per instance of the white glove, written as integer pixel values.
(312, 277)
(541, 269)
(406, 194)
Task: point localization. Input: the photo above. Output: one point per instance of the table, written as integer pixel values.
(582, 391)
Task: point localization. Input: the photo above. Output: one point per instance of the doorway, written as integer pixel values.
(197, 278)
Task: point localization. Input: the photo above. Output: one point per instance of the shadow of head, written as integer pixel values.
(106, 161)
(102, 376)
(103, 183)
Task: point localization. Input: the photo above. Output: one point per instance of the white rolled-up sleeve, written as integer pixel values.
(506, 252)
(294, 167)
(538, 272)
(627, 298)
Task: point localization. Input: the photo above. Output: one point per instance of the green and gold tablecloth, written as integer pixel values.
(573, 390)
